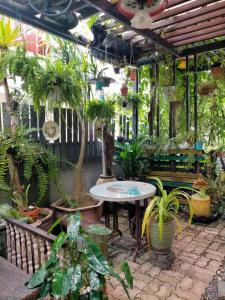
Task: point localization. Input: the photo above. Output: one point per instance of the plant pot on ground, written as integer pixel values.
(201, 202)
(161, 218)
(89, 209)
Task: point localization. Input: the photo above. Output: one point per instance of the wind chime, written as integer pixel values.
(140, 12)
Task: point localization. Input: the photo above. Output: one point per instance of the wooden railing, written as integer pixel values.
(27, 247)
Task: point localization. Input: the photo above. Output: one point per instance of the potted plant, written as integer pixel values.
(18, 150)
(103, 112)
(98, 77)
(130, 157)
(207, 89)
(124, 90)
(82, 272)
(201, 202)
(161, 218)
(73, 74)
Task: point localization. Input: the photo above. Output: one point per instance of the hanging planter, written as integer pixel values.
(124, 90)
(206, 89)
(117, 70)
(218, 72)
(132, 73)
(99, 85)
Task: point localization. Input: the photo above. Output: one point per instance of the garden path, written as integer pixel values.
(199, 252)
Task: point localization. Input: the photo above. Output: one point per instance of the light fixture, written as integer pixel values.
(141, 19)
(141, 11)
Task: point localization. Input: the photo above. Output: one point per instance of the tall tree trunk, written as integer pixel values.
(13, 169)
(78, 190)
(104, 170)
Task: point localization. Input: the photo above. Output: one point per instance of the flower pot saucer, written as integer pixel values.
(201, 219)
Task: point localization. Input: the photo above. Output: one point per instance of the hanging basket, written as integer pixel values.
(218, 72)
(206, 89)
(124, 90)
(132, 74)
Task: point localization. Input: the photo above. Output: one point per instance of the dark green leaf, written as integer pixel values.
(61, 238)
(94, 281)
(51, 261)
(74, 277)
(45, 289)
(57, 222)
(129, 278)
(99, 230)
(73, 226)
(95, 259)
(37, 278)
(120, 280)
(60, 283)
(96, 295)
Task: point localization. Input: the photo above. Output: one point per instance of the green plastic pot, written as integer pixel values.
(165, 243)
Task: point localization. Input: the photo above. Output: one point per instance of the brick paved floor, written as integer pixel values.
(199, 251)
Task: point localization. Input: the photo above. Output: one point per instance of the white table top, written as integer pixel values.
(122, 191)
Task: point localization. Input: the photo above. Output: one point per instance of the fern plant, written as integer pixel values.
(32, 155)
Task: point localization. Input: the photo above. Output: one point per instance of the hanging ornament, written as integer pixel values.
(141, 13)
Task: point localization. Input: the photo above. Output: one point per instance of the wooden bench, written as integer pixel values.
(12, 281)
(171, 167)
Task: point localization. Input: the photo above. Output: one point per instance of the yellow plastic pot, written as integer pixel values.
(201, 205)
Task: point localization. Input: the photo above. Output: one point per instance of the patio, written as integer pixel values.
(112, 149)
(199, 252)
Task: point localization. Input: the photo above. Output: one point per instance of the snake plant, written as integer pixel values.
(164, 208)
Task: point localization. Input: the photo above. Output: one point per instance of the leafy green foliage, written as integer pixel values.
(164, 208)
(130, 157)
(102, 110)
(83, 270)
(6, 211)
(35, 159)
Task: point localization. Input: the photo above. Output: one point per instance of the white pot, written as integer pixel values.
(184, 146)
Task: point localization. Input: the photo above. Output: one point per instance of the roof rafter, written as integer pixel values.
(109, 9)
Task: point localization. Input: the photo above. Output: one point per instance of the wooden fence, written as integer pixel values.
(67, 146)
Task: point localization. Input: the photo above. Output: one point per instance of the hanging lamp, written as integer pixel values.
(141, 11)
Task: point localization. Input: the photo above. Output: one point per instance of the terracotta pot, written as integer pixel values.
(91, 213)
(206, 89)
(164, 244)
(201, 206)
(33, 213)
(218, 72)
(124, 90)
(133, 75)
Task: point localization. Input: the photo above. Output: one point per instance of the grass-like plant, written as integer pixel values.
(164, 208)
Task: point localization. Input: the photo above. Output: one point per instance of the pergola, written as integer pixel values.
(183, 29)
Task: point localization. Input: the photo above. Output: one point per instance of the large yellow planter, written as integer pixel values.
(201, 205)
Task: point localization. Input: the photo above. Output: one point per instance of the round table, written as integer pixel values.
(121, 192)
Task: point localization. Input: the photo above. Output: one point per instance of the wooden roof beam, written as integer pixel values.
(204, 37)
(110, 9)
(196, 34)
(187, 6)
(194, 28)
(204, 48)
(191, 17)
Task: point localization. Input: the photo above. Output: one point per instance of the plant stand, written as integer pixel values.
(104, 179)
(162, 260)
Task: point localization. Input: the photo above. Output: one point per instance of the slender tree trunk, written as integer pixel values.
(78, 191)
(104, 162)
(13, 169)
